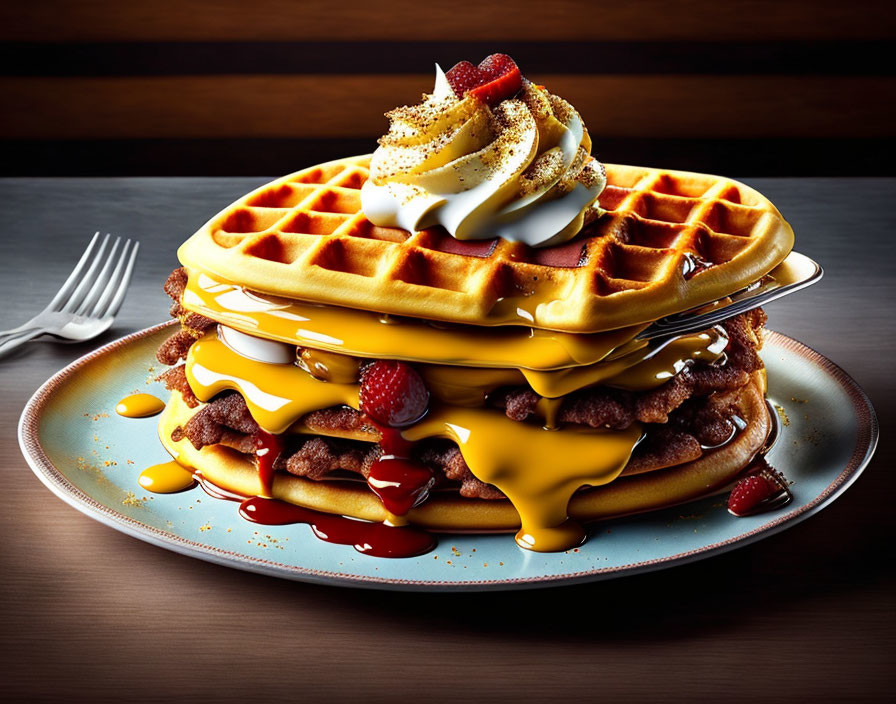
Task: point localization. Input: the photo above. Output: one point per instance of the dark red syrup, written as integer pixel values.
(375, 539)
(267, 448)
(400, 482)
(392, 441)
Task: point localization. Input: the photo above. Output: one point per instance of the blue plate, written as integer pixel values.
(91, 458)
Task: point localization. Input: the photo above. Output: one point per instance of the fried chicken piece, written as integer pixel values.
(175, 379)
(193, 325)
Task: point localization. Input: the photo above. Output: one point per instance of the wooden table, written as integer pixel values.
(91, 614)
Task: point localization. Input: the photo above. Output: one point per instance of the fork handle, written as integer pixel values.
(24, 327)
(11, 340)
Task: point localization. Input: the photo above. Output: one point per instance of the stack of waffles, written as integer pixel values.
(534, 405)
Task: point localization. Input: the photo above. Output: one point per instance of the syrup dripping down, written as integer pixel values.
(374, 539)
(399, 482)
(267, 448)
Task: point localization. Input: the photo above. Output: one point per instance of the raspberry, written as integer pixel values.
(748, 493)
(497, 77)
(462, 77)
(393, 394)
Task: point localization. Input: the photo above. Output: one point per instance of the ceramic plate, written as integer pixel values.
(90, 457)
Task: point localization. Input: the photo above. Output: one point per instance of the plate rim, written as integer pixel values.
(868, 431)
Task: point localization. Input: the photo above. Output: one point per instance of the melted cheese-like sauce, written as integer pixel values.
(365, 334)
(639, 370)
(139, 406)
(277, 394)
(166, 478)
(536, 468)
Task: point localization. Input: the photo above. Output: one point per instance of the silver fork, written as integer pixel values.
(86, 304)
(796, 272)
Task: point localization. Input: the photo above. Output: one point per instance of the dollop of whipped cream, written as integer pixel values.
(521, 170)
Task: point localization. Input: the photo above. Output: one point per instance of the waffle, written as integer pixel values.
(667, 241)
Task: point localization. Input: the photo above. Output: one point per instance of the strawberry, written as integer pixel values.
(496, 78)
(748, 493)
(393, 393)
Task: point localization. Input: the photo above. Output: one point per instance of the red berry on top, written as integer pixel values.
(393, 393)
(748, 493)
(495, 79)
(462, 77)
(505, 79)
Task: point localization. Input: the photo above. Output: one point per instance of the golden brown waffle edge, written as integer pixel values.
(667, 241)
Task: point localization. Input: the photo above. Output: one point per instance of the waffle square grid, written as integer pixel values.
(666, 241)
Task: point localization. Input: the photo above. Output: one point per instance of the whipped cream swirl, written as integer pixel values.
(521, 171)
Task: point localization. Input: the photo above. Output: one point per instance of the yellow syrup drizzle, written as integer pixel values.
(277, 395)
(638, 371)
(465, 386)
(166, 478)
(641, 369)
(657, 369)
(365, 334)
(537, 469)
(548, 409)
(139, 406)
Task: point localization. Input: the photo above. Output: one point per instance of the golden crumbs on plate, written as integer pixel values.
(131, 499)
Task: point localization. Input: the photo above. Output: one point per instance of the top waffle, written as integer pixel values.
(668, 241)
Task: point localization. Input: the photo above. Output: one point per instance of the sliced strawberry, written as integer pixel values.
(495, 79)
(506, 79)
(393, 393)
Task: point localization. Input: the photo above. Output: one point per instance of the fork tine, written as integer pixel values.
(103, 280)
(102, 305)
(65, 290)
(87, 280)
(106, 307)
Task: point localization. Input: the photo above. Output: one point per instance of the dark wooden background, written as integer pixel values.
(784, 87)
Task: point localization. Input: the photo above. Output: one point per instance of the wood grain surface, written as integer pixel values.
(89, 614)
(146, 76)
(207, 107)
(400, 20)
